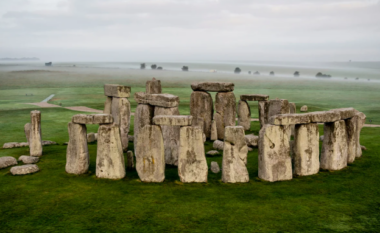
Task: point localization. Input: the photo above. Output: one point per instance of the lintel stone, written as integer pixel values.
(116, 90)
(173, 120)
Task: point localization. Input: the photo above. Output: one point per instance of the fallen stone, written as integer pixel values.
(251, 140)
(173, 120)
(131, 138)
(215, 167)
(303, 108)
(47, 143)
(160, 100)
(35, 140)
(7, 161)
(324, 116)
(225, 106)
(143, 116)
(24, 144)
(153, 87)
(150, 157)
(244, 115)
(121, 113)
(10, 145)
(213, 86)
(77, 157)
(213, 152)
(192, 164)
(91, 137)
(108, 106)
(256, 97)
(363, 147)
(202, 110)
(28, 159)
(214, 132)
(274, 153)
(218, 145)
(116, 90)
(130, 160)
(306, 150)
(109, 159)
(27, 131)
(345, 113)
(321, 138)
(234, 156)
(24, 169)
(334, 147)
(289, 119)
(250, 149)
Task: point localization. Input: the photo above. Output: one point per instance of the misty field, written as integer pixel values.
(53, 201)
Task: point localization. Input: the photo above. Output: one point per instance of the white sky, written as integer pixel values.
(170, 30)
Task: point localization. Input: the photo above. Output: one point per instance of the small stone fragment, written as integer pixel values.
(218, 145)
(303, 108)
(213, 152)
(213, 86)
(250, 149)
(363, 147)
(130, 160)
(7, 161)
(321, 138)
(131, 138)
(215, 167)
(24, 169)
(116, 90)
(28, 159)
(251, 140)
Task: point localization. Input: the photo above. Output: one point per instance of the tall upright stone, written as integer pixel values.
(143, 116)
(263, 112)
(35, 138)
(275, 163)
(153, 86)
(202, 110)
(353, 129)
(170, 134)
(149, 152)
(27, 131)
(77, 157)
(306, 149)
(278, 106)
(214, 131)
(109, 159)
(108, 105)
(334, 147)
(192, 164)
(244, 114)
(292, 110)
(361, 121)
(121, 113)
(234, 156)
(225, 105)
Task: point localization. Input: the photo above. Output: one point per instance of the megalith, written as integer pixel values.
(143, 116)
(263, 112)
(244, 114)
(202, 110)
(121, 113)
(77, 157)
(214, 132)
(361, 122)
(153, 86)
(27, 131)
(225, 105)
(108, 105)
(35, 140)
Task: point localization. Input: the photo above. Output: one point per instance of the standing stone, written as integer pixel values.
(77, 157)
(306, 149)
(225, 105)
(303, 108)
(192, 164)
(153, 86)
(214, 132)
(292, 110)
(274, 153)
(202, 110)
(121, 112)
(334, 147)
(361, 122)
(170, 135)
(27, 131)
(35, 140)
(143, 117)
(244, 115)
(263, 113)
(276, 107)
(108, 105)
(215, 167)
(234, 156)
(150, 157)
(130, 160)
(91, 137)
(110, 159)
(353, 127)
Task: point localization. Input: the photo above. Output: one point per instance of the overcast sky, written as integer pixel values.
(171, 30)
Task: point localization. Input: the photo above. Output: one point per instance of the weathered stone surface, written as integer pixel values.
(192, 164)
(251, 140)
(321, 138)
(77, 157)
(170, 134)
(244, 114)
(143, 116)
(234, 156)
(160, 100)
(25, 144)
(214, 132)
(46, 143)
(278, 106)
(292, 110)
(353, 127)
(110, 159)
(7, 161)
(263, 112)
(274, 153)
(334, 147)
(324, 116)
(225, 106)
(96, 136)
(28, 159)
(213, 152)
(121, 112)
(102, 119)
(361, 121)
(345, 113)
(35, 140)
(150, 157)
(83, 119)
(24, 169)
(108, 106)
(180, 120)
(153, 86)
(91, 137)
(363, 147)
(289, 119)
(303, 108)
(256, 97)
(218, 145)
(250, 149)
(215, 167)
(213, 86)
(116, 90)
(202, 110)
(306, 149)
(131, 138)
(27, 131)
(10, 145)
(130, 160)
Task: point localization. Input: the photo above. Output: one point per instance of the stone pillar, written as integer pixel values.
(153, 87)
(170, 135)
(192, 164)
(225, 105)
(361, 122)
(27, 131)
(121, 113)
(244, 114)
(202, 110)
(110, 159)
(334, 147)
(214, 132)
(292, 109)
(77, 157)
(143, 116)
(130, 160)
(108, 105)
(263, 113)
(235, 152)
(306, 149)
(279, 106)
(35, 140)
(150, 157)
(274, 153)
(352, 138)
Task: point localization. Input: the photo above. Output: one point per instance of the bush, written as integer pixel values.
(237, 70)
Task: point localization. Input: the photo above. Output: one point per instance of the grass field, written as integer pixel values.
(53, 201)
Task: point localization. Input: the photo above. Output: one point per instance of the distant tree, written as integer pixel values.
(249, 72)
(321, 75)
(142, 66)
(185, 68)
(318, 75)
(257, 73)
(296, 74)
(237, 70)
(271, 73)
(159, 68)
(154, 66)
